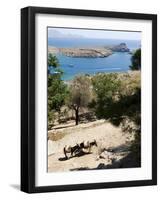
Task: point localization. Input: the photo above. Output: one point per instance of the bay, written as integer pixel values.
(117, 62)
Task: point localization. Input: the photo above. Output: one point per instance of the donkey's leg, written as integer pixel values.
(89, 149)
(71, 154)
(65, 153)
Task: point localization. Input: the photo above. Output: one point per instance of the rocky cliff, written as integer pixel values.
(120, 48)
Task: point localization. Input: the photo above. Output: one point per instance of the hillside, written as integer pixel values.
(89, 52)
(112, 147)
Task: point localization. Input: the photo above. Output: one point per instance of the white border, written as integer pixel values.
(110, 175)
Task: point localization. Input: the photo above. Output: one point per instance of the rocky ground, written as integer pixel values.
(112, 149)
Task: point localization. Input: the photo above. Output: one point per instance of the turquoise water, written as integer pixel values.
(117, 62)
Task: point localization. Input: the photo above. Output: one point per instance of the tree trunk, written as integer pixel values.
(76, 116)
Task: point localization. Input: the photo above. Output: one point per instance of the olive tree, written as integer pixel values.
(106, 88)
(79, 95)
(118, 99)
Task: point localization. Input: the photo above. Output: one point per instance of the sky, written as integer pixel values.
(100, 34)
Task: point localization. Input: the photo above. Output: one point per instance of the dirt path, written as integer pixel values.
(106, 135)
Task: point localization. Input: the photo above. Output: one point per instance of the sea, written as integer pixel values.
(117, 62)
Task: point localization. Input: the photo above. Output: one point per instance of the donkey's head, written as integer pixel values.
(95, 143)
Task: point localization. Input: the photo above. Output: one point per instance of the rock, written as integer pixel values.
(106, 155)
(120, 48)
(110, 150)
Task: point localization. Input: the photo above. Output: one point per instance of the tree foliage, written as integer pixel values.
(118, 99)
(106, 88)
(52, 60)
(136, 60)
(117, 96)
(57, 90)
(80, 94)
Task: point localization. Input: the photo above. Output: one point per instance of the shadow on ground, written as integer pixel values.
(119, 149)
(15, 186)
(126, 162)
(79, 154)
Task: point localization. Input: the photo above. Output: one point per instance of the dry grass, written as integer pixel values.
(55, 136)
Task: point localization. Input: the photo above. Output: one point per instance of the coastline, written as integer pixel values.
(81, 52)
(114, 58)
(89, 52)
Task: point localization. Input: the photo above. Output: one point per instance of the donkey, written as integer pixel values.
(87, 145)
(71, 149)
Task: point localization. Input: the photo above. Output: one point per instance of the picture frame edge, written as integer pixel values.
(28, 100)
